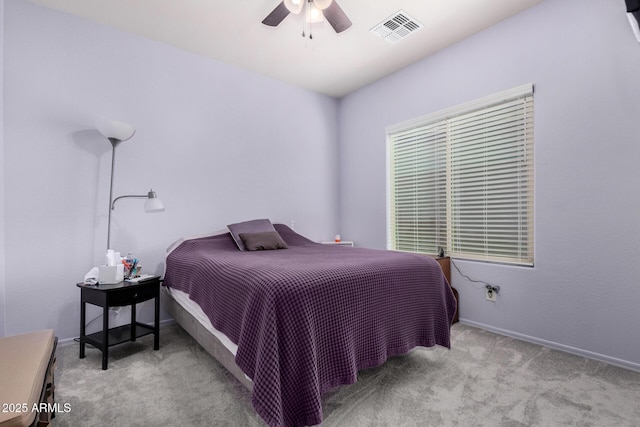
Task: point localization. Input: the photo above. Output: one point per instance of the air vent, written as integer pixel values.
(396, 27)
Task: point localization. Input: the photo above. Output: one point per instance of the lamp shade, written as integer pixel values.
(113, 129)
(153, 204)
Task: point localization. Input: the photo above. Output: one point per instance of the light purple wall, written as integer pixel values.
(583, 294)
(217, 143)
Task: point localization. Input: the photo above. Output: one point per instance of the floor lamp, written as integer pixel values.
(117, 132)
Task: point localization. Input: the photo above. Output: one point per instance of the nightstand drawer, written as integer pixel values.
(133, 295)
(146, 293)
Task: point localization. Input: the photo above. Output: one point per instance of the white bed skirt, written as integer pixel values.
(192, 319)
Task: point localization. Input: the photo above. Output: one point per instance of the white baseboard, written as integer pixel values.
(166, 322)
(556, 346)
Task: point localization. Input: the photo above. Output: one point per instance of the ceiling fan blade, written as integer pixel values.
(336, 17)
(276, 16)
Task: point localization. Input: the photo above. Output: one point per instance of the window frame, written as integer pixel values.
(525, 231)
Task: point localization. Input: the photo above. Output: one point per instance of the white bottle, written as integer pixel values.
(109, 258)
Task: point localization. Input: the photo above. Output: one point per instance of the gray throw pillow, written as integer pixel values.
(263, 241)
(254, 226)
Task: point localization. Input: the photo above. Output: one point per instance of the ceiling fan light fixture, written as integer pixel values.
(322, 4)
(294, 6)
(314, 14)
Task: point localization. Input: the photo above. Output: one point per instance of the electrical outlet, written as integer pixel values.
(490, 295)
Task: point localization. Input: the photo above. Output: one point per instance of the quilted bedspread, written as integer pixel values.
(307, 318)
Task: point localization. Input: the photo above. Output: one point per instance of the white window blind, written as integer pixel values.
(462, 179)
(418, 184)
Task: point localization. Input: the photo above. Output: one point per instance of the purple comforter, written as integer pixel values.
(307, 318)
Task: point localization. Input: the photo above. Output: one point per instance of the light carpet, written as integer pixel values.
(484, 380)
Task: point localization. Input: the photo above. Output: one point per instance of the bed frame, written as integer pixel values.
(206, 339)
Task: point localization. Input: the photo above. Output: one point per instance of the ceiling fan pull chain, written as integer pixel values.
(308, 11)
(304, 8)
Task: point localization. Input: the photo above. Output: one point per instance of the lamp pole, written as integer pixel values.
(116, 132)
(114, 144)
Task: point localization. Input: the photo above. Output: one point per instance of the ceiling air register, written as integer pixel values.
(396, 27)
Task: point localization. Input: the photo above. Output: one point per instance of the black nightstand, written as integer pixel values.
(118, 295)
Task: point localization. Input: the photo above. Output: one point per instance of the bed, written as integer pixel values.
(293, 323)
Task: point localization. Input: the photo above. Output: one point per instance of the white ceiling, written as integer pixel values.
(333, 64)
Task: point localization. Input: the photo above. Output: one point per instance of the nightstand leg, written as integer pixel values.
(83, 314)
(105, 337)
(156, 325)
(133, 322)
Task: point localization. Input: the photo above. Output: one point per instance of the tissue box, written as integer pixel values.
(109, 274)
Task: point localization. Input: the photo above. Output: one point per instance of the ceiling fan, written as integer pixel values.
(315, 10)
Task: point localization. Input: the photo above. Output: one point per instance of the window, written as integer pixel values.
(462, 179)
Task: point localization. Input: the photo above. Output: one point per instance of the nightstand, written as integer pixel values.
(445, 265)
(340, 243)
(118, 295)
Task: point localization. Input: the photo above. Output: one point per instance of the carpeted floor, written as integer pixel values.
(484, 380)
